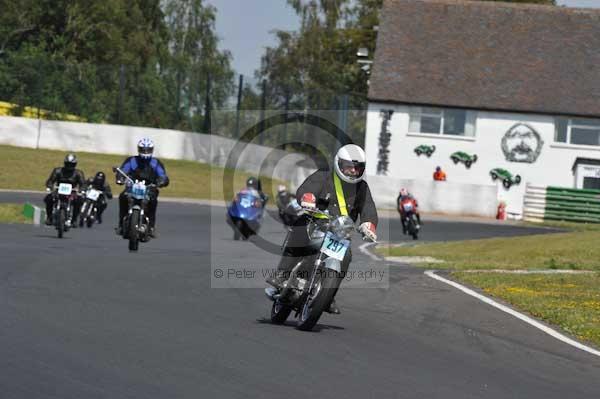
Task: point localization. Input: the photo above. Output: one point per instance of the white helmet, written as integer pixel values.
(145, 148)
(349, 163)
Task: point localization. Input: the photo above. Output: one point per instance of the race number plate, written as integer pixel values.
(335, 247)
(65, 189)
(408, 207)
(93, 194)
(245, 202)
(138, 190)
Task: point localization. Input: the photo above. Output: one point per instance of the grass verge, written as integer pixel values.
(12, 213)
(576, 250)
(571, 302)
(28, 169)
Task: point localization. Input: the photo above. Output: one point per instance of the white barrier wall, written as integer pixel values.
(437, 197)
(552, 167)
(171, 144)
(448, 197)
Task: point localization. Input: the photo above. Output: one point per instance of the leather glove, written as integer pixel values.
(367, 229)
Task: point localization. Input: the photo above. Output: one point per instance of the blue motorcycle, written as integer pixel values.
(245, 213)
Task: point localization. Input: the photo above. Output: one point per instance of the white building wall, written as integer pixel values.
(552, 167)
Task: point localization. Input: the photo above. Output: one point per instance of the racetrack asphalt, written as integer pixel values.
(84, 318)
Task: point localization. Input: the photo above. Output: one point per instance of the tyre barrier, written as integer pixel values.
(561, 204)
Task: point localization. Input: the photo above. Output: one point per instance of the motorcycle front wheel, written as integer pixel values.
(412, 228)
(237, 229)
(60, 222)
(82, 213)
(134, 221)
(318, 301)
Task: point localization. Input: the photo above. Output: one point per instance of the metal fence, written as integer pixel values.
(225, 104)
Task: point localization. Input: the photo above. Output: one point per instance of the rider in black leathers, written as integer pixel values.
(349, 167)
(66, 174)
(98, 182)
(285, 206)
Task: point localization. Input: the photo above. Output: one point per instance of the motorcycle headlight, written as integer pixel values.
(342, 226)
(315, 232)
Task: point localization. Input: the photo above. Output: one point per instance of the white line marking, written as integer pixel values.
(364, 248)
(526, 319)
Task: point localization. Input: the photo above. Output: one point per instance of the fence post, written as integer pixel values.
(343, 119)
(40, 89)
(263, 105)
(121, 97)
(238, 107)
(285, 125)
(207, 106)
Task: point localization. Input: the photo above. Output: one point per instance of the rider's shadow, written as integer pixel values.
(318, 328)
(52, 236)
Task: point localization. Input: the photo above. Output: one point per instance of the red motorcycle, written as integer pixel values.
(408, 213)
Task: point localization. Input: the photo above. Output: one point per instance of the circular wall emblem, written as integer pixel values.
(522, 143)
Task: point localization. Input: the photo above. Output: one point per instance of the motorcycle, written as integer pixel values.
(62, 215)
(408, 213)
(314, 280)
(89, 209)
(245, 214)
(288, 210)
(136, 225)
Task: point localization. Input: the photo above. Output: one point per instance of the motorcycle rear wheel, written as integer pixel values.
(279, 312)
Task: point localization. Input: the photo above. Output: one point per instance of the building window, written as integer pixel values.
(447, 121)
(577, 131)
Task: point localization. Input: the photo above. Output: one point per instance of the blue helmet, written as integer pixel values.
(145, 148)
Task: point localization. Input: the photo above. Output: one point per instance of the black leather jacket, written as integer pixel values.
(105, 188)
(62, 175)
(358, 196)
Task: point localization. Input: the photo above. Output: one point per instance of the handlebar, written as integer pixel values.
(129, 179)
(316, 212)
(326, 216)
(125, 175)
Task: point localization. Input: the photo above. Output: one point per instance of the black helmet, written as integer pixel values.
(100, 178)
(70, 161)
(252, 182)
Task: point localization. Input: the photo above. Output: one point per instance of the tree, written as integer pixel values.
(112, 61)
(194, 60)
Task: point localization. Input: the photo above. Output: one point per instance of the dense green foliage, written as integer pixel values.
(322, 54)
(140, 62)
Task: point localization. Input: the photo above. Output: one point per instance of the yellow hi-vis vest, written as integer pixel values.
(339, 192)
